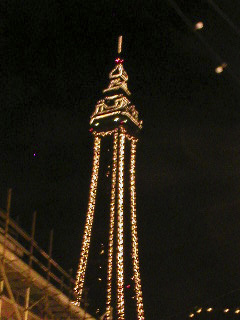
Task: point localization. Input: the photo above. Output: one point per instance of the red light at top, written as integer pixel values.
(118, 60)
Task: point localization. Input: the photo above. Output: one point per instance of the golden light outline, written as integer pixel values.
(111, 232)
(136, 269)
(120, 275)
(89, 221)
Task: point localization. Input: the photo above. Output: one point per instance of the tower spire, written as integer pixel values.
(119, 44)
(116, 108)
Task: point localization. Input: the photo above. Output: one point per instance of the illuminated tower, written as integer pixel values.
(112, 204)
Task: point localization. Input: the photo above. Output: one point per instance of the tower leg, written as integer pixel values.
(136, 271)
(111, 231)
(120, 274)
(89, 221)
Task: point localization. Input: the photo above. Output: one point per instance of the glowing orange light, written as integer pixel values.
(220, 68)
(199, 25)
(209, 309)
(199, 310)
(226, 310)
(191, 315)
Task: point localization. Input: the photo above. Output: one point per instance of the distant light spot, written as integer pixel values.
(220, 68)
(199, 25)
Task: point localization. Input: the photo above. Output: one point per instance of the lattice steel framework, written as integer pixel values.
(116, 117)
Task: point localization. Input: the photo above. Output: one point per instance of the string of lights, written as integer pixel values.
(111, 232)
(89, 221)
(136, 271)
(128, 136)
(221, 64)
(208, 309)
(120, 275)
(104, 133)
(212, 309)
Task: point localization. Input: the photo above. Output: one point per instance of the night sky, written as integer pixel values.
(55, 57)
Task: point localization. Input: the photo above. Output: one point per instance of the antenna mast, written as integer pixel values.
(119, 44)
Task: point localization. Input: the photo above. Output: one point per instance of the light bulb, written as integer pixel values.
(199, 25)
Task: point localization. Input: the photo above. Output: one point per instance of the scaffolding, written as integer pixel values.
(32, 285)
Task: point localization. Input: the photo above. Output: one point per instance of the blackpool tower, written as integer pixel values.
(109, 259)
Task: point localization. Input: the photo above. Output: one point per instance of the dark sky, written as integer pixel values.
(55, 57)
